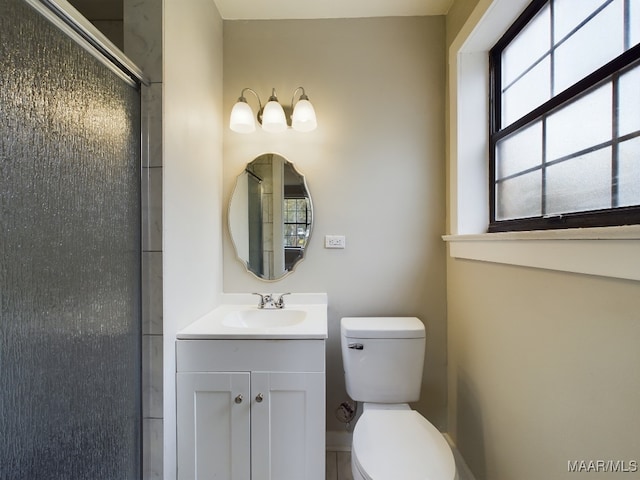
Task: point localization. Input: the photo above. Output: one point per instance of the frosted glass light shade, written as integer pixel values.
(242, 119)
(304, 117)
(273, 118)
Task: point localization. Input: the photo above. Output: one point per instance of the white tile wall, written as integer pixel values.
(142, 33)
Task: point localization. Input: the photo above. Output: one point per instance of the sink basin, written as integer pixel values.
(263, 318)
(238, 317)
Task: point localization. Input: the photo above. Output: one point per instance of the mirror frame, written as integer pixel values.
(304, 183)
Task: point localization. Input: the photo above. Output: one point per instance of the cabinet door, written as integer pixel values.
(288, 426)
(213, 422)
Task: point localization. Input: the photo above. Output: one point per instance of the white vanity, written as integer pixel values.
(251, 391)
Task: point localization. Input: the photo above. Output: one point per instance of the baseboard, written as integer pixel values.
(338, 441)
(461, 466)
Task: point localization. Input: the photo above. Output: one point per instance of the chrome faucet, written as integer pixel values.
(280, 302)
(261, 302)
(268, 300)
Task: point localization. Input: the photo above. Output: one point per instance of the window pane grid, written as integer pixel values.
(546, 161)
(621, 33)
(297, 220)
(615, 135)
(581, 153)
(580, 130)
(554, 45)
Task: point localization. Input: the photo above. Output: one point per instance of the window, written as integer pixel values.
(297, 221)
(565, 117)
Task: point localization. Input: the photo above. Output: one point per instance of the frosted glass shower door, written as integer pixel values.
(69, 258)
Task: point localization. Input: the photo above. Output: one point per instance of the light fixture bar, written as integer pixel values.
(272, 116)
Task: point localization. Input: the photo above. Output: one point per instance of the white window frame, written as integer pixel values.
(605, 251)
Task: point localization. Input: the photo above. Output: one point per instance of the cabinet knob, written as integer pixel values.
(259, 398)
(238, 399)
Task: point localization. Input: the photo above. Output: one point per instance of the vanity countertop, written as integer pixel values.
(238, 317)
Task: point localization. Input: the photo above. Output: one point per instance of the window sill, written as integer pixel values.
(608, 251)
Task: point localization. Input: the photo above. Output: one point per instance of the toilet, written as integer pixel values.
(383, 358)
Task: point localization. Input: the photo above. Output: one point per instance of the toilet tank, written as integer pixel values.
(383, 358)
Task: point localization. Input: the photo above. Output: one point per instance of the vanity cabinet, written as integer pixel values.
(251, 409)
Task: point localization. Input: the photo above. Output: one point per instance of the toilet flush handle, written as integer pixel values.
(356, 346)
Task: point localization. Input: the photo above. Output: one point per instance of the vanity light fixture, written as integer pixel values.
(272, 116)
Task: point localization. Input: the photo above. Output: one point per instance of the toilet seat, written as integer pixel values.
(394, 444)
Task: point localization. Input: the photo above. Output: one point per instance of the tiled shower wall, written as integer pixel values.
(143, 44)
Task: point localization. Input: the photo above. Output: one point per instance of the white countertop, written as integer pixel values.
(214, 326)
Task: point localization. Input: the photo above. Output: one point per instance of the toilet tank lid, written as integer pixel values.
(382, 327)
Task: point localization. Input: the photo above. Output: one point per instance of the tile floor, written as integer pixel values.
(338, 466)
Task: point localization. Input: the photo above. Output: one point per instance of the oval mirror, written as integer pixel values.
(270, 217)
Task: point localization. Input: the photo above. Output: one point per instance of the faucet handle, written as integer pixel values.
(261, 301)
(280, 302)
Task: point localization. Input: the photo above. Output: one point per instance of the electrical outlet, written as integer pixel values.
(334, 241)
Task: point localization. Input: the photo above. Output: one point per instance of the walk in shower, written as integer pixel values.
(70, 359)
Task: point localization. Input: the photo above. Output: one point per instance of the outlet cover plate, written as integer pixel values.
(335, 241)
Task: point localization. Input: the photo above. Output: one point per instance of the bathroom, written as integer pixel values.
(504, 337)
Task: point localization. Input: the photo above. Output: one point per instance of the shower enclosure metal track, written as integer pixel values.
(62, 14)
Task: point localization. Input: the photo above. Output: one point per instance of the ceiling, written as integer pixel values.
(288, 9)
(299, 9)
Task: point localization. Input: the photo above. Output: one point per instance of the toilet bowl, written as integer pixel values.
(383, 359)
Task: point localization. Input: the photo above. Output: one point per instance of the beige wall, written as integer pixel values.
(457, 16)
(192, 187)
(544, 367)
(375, 169)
